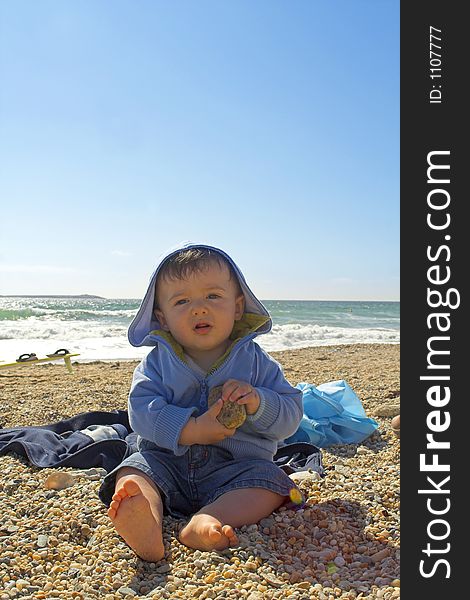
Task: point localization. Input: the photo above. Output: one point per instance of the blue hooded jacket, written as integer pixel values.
(166, 391)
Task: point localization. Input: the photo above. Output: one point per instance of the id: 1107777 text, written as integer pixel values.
(435, 71)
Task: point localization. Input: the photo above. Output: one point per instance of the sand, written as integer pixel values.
(343, 544)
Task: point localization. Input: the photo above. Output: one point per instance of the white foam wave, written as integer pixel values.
(77, 313)
(96, 341)
(284, 337)
(36, 328)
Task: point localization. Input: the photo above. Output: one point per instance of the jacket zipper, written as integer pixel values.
(237, 344)
(203, 382)
(203, 396)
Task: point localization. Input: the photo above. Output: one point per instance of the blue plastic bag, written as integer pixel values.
(333, 414)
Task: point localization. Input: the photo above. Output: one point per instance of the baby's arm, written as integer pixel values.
(280, 408)
(167, 425)
(150, 413)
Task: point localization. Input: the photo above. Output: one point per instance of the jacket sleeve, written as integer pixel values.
(281, 408)
(150, 414)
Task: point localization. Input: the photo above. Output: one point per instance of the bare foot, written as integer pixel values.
(204, 532)
(135, 513)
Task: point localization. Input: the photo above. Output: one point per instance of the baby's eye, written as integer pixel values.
(180, 302)
(213, 296)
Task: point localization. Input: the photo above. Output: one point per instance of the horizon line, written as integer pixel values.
(95, 296)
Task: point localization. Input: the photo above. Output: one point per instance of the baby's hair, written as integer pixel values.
(193, 260)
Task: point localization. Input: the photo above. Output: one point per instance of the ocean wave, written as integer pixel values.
(285, 337)
(18, 314)
(97, 342)
(50, 329)
(97, 328)
(69, 314)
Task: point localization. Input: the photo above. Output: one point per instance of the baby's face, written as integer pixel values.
(200, 311)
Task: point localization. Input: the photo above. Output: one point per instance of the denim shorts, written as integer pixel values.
(189, 482)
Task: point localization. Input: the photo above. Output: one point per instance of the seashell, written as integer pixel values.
(232, 414)
(59, 481)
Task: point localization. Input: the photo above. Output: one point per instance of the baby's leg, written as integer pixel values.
(136, 511)
(211, 528)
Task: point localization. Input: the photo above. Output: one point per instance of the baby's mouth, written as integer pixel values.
(201, 327)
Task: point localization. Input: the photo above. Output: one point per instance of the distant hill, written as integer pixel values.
(52, 296)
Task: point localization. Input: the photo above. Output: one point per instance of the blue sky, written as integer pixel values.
(265, 127)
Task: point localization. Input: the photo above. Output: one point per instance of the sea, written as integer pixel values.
(96, 328)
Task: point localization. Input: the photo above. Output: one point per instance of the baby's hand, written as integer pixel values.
(208, 429)
(241, 392)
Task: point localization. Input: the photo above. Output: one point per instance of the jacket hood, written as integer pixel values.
(139, 333)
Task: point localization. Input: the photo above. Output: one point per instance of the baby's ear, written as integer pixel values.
(239, 307)
(161, 319)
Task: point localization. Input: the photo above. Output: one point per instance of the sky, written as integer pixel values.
(267, 128)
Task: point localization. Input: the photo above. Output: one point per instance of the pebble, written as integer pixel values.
(381, 555)
(126, 591)
(60, 543)
(388, 410)
(305, 476)
(271, 579)
(339, 561)
(59, 481)
(42, 541)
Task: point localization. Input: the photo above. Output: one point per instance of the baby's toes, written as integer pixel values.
(214, 533)
(230, 534)
(120, 495)
(112, 510)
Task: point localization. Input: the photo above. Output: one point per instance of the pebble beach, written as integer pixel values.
(342, 543)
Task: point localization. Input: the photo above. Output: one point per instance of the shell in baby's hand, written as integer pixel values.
(232, 414)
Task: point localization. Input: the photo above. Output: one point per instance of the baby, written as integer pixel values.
(201, 317)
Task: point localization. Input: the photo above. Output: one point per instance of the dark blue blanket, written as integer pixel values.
(64, 444)
(105, 439)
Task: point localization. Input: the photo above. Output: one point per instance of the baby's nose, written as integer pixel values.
(199, 308)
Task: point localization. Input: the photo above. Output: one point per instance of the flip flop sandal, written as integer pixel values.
(299, 456)
(61, 352)
(27, 357)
